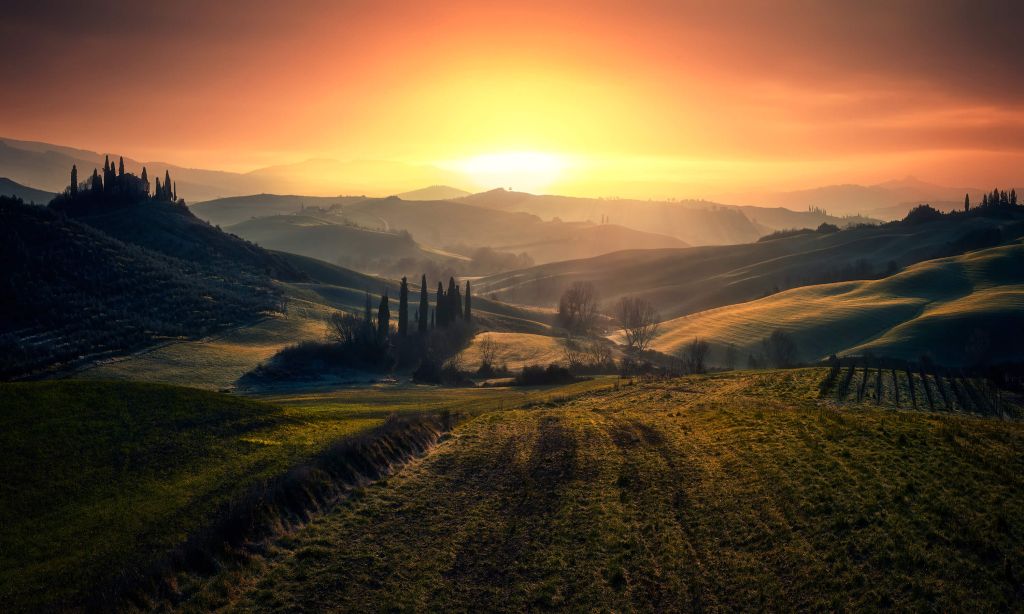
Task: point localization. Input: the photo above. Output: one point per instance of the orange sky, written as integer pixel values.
(632, 98)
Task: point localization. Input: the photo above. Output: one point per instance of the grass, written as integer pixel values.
(99, 478)
(216, 363)
(516, 350)
(725, 492)
(933, 307)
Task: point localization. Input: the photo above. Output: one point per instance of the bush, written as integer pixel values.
(536, 375)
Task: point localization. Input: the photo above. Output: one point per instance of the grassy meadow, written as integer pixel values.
(723, 492)
(100, 478)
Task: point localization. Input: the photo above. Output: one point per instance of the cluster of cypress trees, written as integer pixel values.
(449, 307)
(114, 181)
(996, 198)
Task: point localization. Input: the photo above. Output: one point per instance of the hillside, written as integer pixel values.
(456, 226)
(716, 493)
(73, 293)
(696, 223)
(171, 229)
(237, 209)
(25, 193)
(888, 200)
(939, 307)
(683, 281)
(371, 251)
(434, 192)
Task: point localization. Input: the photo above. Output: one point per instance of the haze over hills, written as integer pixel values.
(938, 307)
(448, 226)
(25, 193)
(44, 166)
(888, 200)
(695, 222)
(682, 281)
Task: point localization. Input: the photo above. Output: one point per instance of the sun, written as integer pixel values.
(525, 171)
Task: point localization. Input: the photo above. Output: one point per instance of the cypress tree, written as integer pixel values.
(454, 302)
(97, 184)
(158, 194)
(383, 317)
(120, 167)
(1013, 197)
(74, 180)
(175, 193)
(469, 304)
(145, 181)
(167, 185)
(440, 307)
(967, 202)
(424, 306)
(403, 309)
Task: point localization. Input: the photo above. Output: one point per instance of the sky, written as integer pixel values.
(634, 98)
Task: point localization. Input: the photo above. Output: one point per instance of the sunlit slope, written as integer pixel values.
(514, 350)
(934, 307)
(681, 281)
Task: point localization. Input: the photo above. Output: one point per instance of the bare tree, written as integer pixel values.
(599, 352)
(780, 349)
(488, 350)
(639, 322)
(695, 355)
(573, 352)
(577, 309)
(345, 327)
(730, 356)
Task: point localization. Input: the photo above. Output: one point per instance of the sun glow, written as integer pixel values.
(527, 171)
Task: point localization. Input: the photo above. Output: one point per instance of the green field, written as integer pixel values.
(727, 492)
(103, 477)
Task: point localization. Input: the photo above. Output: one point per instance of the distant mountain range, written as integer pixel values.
(887, 201)
(45, 166)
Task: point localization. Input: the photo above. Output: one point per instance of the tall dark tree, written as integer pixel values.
(120, 167)
(145, 180)
(1013, 197)
(454, 301)
(468, 314)
(158, 192)
(175, 192)
(984, 200)
(97, 183)
(383, 317)
(74, 180)
(424, 306)
(403, 309)
(967, 202)
(167, 185)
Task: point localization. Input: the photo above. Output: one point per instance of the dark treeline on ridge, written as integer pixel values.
(113, 188)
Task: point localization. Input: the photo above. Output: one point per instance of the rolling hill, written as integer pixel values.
(457, 226)
(371, 251)
(237, 209)
(25, 193)
(434, 192)
(889, 200)
(696, 222)
(72, 293)
(682, 281)
(939, 307)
